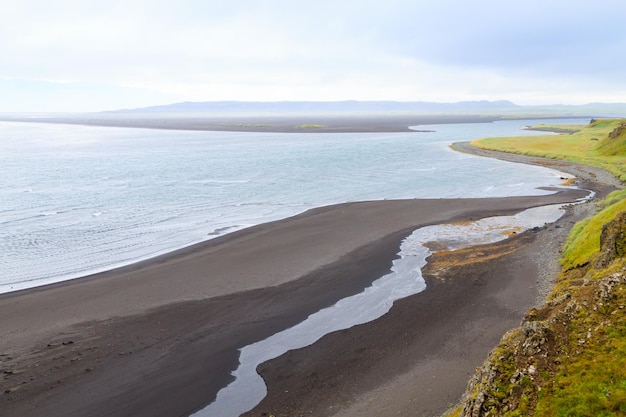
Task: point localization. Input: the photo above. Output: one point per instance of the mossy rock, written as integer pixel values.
(612, 241)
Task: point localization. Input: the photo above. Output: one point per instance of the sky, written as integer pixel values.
(83, 55)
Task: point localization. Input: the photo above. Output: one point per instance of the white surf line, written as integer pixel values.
(405, 279)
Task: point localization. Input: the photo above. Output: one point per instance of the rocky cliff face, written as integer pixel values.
(617, 131)
(554, 352)
(612, 241)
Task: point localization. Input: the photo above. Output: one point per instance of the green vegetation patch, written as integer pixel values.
(612, 198)
(583, 243)
(556, 128)
(309, 126)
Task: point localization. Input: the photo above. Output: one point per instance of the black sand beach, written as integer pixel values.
(160, 338)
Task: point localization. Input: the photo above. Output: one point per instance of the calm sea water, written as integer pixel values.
(76, 200)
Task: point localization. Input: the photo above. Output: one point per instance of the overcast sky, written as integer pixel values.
(81, 55)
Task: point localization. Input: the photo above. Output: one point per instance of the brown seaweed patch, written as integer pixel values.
(568, 181)
(445, 263)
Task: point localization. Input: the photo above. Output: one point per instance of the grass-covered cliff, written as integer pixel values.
(601, 144)
(568, 358)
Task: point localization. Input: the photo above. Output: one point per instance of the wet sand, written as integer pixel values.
(160, 338)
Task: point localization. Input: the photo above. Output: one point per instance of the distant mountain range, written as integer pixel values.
(352, 106)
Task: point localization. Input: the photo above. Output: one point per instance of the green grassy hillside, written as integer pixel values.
(569, 356)
(602, 144)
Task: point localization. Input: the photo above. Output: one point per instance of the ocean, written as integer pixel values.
(76, 200)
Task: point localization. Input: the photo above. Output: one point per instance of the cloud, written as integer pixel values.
(556, 37)
(324, 50)
(19, 96)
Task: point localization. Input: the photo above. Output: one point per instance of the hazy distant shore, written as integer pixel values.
(264, 123)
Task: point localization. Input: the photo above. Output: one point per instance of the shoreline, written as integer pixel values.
(601, 179)
(75, 346)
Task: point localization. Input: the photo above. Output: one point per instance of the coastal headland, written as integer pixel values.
(160, 338)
